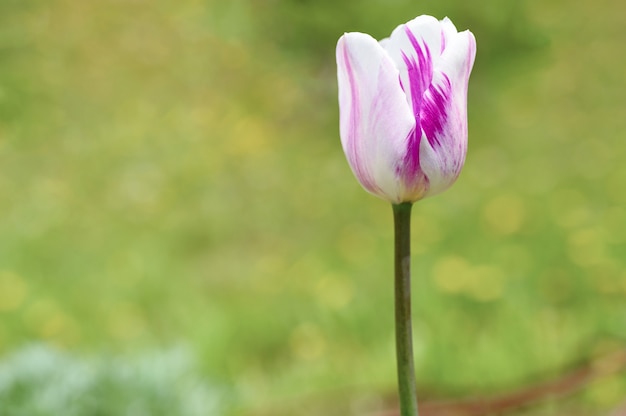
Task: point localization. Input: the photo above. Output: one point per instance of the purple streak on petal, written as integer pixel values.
(435, 110)
(420, 74)
(411, 160)
(409, 170)
(415, 83)
(411, 164)
(352, 151)
(443, 41)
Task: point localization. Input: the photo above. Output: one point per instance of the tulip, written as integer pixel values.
(403, 107)
(403, 128)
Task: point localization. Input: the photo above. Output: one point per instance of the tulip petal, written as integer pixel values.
(457, 59)
(449, 31)
(413, 47)
(375, 119)
(444, 113)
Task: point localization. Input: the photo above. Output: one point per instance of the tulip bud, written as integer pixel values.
(403, 107)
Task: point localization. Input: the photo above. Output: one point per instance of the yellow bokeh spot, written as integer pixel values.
(451, 274)
(605, 277)
(586, 247)
(271, 264)
(482, 283)
(608, 391)
(307, 266)
(307, 342)
(334, 292)
(125, 322)
(13, 291)
(614, 222)
(249, 137)
(486, 283)
(623, 281)
(49, 321)
(504, 214)
(38, 312)
(54, 325)
(569, 208)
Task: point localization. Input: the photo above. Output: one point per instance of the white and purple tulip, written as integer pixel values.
(403, 107)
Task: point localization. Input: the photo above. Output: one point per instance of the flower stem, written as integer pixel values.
(404, 337)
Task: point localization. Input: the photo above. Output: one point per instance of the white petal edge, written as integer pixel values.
(457, 59)
(375, 119)
(426, 29)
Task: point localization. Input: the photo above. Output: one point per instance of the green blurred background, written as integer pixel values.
(171, 174)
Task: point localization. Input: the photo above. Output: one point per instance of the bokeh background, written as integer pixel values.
(178, 221)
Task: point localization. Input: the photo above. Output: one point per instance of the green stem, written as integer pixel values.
(404, 337)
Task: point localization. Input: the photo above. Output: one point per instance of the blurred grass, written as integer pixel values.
(172, 172)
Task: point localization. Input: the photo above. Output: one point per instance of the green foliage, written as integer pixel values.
(171, 171)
